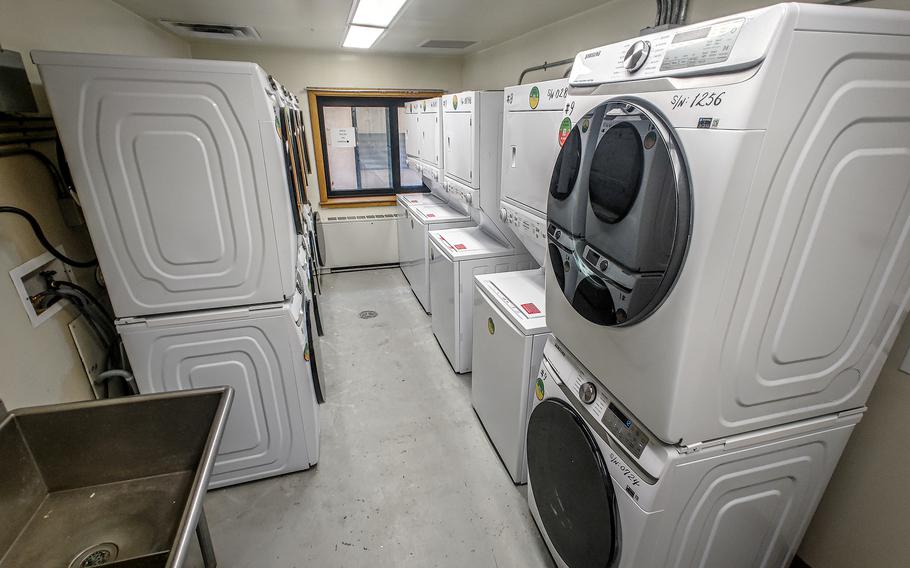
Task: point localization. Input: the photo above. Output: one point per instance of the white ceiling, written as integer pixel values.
(320, 24)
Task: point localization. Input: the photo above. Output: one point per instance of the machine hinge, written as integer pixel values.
(700, 446)
(851, 412)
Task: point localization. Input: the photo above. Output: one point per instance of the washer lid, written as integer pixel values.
(438, 213)
(571, 487)
(411, 199)
(468, 243)
(520, 295)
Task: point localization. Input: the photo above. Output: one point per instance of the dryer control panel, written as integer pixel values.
(718, 46)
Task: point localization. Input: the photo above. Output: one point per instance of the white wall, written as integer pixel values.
(41, 365)
(499, 66)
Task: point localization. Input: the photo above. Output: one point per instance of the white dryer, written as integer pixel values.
(413, 243)
(412, 130)
(182, 177)
(273, 426)
(531, 142)
(510, 331)
(730, 275)
(604, 491)
(430, 145)
(456, 256)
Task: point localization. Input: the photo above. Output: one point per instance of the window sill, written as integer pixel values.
(371, 201)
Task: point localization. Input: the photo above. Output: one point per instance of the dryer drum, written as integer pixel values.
(637, 218)
(568, 162)
(616, 173)
(572, 487)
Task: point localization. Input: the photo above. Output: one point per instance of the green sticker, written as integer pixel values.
(538, 391)
(564, 128)
(534, 99)
(491, 327)
(454, 102)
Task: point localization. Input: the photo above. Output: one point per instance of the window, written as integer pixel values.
(360, 146)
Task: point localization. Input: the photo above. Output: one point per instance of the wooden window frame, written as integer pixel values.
(316, 127)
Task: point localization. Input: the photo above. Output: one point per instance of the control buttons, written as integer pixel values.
(587, 392)
(603, 265)
(636, 55)
(557, 234)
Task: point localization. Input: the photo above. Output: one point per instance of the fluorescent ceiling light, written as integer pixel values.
(376, 12)
(362, 37)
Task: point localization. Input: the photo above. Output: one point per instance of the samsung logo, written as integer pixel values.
(592, 54)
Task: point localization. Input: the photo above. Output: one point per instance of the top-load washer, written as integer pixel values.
(730, 275)
(605, 492)
(414, 248)
(180, 171)
(510, 327)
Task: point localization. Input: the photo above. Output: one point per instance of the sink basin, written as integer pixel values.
(113, 483)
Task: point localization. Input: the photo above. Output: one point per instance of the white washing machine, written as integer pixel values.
(604, 491)
(730, 276)
(182, 177)
(413, 243)
(509, 317)
(510, 331)
(456, 256)
(273, 426)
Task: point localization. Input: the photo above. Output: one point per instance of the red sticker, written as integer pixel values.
(460, 247)
(530, 308)
(430, 215)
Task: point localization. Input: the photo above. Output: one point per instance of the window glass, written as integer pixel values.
(363, 146)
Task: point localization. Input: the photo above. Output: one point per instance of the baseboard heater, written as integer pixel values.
(358, 240)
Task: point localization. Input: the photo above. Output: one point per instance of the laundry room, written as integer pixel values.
(410, 283)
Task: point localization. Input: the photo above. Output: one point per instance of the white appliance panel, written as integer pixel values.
(273, 426)
(179, 170)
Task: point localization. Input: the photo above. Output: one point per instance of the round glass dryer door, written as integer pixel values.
(638, 218)
(572, 487)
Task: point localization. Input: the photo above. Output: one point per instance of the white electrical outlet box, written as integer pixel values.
(28, 281)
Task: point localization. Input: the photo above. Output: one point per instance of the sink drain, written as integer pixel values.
(97, 555)
(368, 314)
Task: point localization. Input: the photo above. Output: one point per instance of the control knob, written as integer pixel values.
(502, 214)
(587, 392)
(636, 55)
(467, 198)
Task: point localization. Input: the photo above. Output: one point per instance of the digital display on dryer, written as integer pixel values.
(625, 430)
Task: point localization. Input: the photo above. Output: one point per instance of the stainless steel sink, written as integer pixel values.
(113, 483)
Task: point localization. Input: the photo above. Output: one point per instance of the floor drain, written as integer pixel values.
(97, 555)
(368, 314)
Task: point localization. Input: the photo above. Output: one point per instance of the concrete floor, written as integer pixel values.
(406, 475)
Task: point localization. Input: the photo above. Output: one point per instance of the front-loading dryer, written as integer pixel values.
(605, 492)
(745, 259)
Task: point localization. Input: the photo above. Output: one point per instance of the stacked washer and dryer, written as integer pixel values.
(472, 127)
(420, 213)
(190, 177)
(728, 267)
(510, 328)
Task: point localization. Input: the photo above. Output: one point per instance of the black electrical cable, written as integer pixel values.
(63, 188)
(39, 234)
(91, 298)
